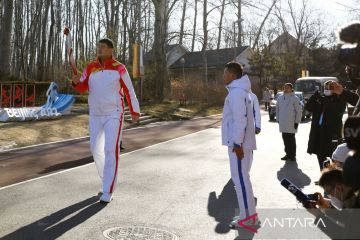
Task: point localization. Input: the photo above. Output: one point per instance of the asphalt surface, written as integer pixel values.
(182, 186)
(27, 163)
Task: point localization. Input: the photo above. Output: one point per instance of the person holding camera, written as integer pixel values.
(288, 115)
(339, 214)
(327, 110)
(341, 195)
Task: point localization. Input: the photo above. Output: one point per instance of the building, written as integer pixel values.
(286, 43)
(188, 69)
(288, 47)
(191, 67)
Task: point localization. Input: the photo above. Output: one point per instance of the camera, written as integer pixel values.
(305, 199)
(349, 53)
(313, 197)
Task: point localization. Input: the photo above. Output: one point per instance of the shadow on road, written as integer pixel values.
(67, 165)
(291, 171)
(52, 226)
(222, 207)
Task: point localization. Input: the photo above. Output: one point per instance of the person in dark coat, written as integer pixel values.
(327, 112)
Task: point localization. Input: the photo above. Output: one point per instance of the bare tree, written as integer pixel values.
(160, 37)
(194, 26)
(5, 38)
(262, 24)
(181, 35)
(221, 23)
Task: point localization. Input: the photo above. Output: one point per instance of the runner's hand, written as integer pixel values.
(239, 152)
(76, 79)
(135, 118)
(337, 88)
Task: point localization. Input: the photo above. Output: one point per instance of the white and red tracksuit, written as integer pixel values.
(238, 128)
(107, 84)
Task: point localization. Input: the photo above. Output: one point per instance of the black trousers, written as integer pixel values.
(290, 144)
(267, 104)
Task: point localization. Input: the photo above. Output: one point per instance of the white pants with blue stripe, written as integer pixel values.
(240, 175)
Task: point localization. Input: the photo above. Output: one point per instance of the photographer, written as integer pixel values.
(340, 213)
(343, 187)
(341, 195)
(327, 109)
(352, 164)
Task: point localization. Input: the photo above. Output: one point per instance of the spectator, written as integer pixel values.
(327, 110)
(275, 92)
(267, 98)
(339, 214)
(288, 115)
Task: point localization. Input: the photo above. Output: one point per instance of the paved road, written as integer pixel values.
(24, 164)
(182, 186)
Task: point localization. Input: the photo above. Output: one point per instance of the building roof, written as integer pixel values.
(173, 51)
(285, 43)
(215, 58)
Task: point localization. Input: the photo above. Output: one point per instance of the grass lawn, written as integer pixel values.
(172, 110)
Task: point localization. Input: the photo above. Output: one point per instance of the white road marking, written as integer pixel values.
(70, 169)
(84, 137)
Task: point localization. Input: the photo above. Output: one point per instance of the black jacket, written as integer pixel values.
(332, 109)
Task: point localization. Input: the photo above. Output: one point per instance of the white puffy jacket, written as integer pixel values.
(238, 124)
(288, 112)
(256, 110)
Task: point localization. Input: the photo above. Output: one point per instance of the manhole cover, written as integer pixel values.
(138, 233)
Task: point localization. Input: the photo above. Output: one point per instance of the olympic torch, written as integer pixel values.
(69, 50)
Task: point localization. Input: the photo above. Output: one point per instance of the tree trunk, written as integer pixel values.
(262, 24)
(220, 24)
(239, 40)
(42, 56)
(194, 27)
(5, 39)
(204, 47)
(181, 35)
(160, 36)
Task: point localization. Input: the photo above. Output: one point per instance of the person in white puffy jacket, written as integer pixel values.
(238, 134)
(288, 115)
(257, 114)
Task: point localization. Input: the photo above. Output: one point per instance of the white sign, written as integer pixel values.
(28, 114)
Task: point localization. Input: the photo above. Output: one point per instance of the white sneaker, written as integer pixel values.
(106, 198)
(235, 224)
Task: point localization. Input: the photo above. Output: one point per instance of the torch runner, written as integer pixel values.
(69, 50)
(106, 92)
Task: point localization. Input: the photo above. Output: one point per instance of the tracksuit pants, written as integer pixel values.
(105, 136)
(240, 175)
